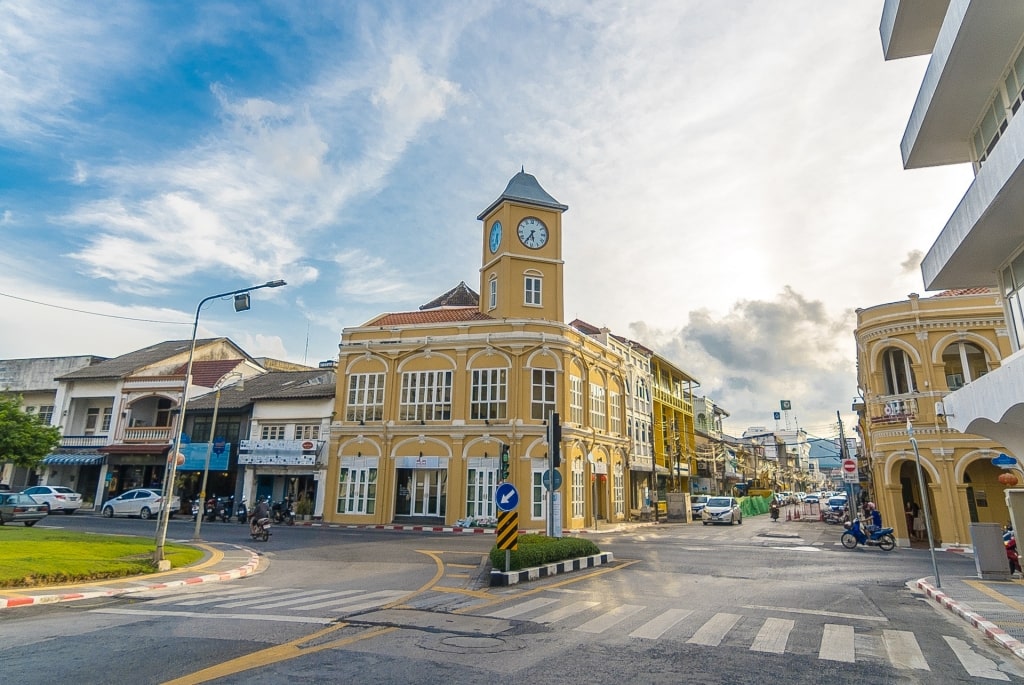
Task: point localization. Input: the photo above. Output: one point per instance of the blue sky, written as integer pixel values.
(732, 171)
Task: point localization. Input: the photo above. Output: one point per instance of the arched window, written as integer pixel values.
(963, 362)
(899, 376)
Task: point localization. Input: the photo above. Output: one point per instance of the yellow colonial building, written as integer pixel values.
(910, 355)
(428, 399)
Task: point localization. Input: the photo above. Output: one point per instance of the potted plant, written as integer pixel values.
(304, 508)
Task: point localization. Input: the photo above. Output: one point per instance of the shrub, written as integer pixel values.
(538, 550)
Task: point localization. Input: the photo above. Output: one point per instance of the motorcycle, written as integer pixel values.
(225, 507)
(283, 512)
(834, 517)
(241, 512)
(195, 509)
(210, 510)
(260, 529)
(855, 535)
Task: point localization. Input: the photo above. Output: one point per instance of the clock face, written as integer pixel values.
(495, 239)
(533, 233)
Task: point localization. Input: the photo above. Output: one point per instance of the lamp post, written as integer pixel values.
(924, 503)
(241, 304)
(209, 446)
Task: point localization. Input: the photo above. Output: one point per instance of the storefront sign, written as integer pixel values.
(279, 452)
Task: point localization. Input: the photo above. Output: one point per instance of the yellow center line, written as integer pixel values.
(1008, 601)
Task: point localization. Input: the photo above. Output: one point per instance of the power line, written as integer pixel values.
(82, 311)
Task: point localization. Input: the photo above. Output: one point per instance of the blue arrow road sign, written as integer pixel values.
(506, 497)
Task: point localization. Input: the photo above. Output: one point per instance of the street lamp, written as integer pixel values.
(165, 512)
(209, 446)
(924, 502)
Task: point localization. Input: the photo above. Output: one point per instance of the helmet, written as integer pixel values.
(871, 506)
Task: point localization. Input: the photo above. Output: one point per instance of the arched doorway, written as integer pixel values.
(911, 492)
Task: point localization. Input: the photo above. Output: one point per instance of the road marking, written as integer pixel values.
(304, 597)
(981, 587)
(903, 650)
(610, 618)
(272, 596)
(208, 595)
(975, 664)
(773, 636)
(565, 612)
(230, 617)
(655, 628)
(340, 598)
(387, 596)
(713, 632)
(813, 612)
(837, 643)
(522, 608)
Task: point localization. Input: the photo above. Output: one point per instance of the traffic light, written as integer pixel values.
(555, 445)
(504, 461)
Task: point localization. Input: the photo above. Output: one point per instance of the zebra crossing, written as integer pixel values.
(832, 642)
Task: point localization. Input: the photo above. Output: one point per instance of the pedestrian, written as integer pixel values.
(919, 529)
(912, 512)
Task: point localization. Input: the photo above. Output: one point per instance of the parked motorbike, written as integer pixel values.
(242, 512)
(283, 512)
(226, 505)
(210, 510)
(195, 509)
(834, 517)
(260, 529)
(855, 535)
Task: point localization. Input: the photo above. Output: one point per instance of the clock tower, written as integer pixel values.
(521, 272)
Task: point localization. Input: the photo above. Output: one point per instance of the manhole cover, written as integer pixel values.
(471, 644)
(468, 642)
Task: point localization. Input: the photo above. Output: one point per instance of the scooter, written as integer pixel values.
(241, 512)
(210, 510)
(855, 535)
(195, 509)
(832, 516)
(260, 529)
(225, 507)
(283, 512)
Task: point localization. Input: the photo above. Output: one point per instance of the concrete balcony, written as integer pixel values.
(147, 434)
(84, 440)
(893, 411)
(909, 27)
(992, 406)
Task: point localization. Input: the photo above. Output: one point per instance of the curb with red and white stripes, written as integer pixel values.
(246, 570)
(965, 612)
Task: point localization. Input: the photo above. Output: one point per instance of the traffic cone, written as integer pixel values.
(789, 516)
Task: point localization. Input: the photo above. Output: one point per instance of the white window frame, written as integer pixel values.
(46, 413)
(492, 298)
(307, 431)
(480, 486)
(426, 396)
(357, 490)
(578, 489)
(598, 418)
(891, 357)
(615, 412)
(489, 393)
(273, 431)
(532, 291)
(543, 393)
(576, 400)
(108, 415)
(538, 495)
(365, 397)
(618, 492)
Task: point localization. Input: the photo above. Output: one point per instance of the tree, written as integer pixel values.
(24, 439)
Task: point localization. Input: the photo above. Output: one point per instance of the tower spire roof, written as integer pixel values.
(524, 188)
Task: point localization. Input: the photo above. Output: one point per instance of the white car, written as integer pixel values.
(141, 502)
(55, 498)
(722, 510)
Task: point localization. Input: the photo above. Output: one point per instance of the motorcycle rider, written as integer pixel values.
(875, 520)
(774, 509)
(261, 511)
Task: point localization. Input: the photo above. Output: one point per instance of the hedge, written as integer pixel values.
(539, 550)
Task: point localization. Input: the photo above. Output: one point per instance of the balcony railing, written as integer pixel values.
(84, 440)
(148, 434)
(136, 383)
(895, 411)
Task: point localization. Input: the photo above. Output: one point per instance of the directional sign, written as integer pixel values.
(506, 497)
(552, 479)
(1004, 461)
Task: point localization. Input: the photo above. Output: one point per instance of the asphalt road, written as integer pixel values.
(760, 602)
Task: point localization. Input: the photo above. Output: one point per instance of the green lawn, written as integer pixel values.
(34, 557)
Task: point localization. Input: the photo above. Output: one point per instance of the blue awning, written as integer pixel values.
(77, 459)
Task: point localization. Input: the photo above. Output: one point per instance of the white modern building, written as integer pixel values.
(966, 112)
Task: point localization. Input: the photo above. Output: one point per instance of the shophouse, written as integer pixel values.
(436, 407)
(34, 380)
(711, 450)
(125, 410)
(910, 356)
(966, 112)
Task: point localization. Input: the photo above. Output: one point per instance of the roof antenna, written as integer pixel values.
(522, 169)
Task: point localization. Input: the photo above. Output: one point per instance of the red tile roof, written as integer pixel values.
(205, 374)
(446, 315)
(966, 291)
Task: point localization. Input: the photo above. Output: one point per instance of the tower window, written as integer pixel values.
(493, 296)
(533, 290)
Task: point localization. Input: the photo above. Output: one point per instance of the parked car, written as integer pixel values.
(56, 497)
(17, 507)
(812, 498)
(837, 504)
(697, 503)
(722, 510)
(141, 502)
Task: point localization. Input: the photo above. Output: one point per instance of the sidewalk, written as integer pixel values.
(995, 607)
(221, 562)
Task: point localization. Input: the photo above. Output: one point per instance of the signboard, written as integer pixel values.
(508, 530)
(279, 452)
(1004, 461)
(785, 405)
(551, 479)
(506, 497)
(195, 457)
(850, 471)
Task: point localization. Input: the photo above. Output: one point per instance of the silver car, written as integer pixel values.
(141, 502)
(722, 510)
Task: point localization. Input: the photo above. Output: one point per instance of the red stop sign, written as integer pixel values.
(849, 465)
